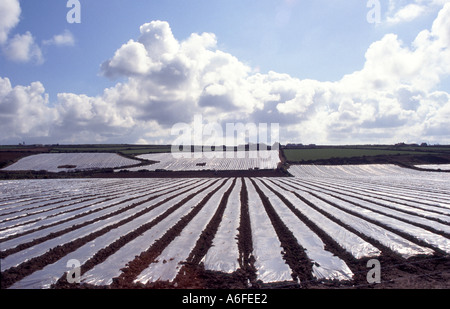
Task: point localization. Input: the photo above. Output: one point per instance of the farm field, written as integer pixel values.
(239, 160)
(66, 162)
(406, 154)
(317, 229)
(10, 154)
(297, 155)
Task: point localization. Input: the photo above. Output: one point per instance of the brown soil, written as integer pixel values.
(8, 157)
(143, 174)
(196, 174)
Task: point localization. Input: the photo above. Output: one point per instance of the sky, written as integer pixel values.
(325, 72)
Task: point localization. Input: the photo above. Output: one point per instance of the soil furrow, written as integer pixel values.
(403, 197)
(245, 242)
(24, 246)
(59, 233)
(358, 266)
(103, 254)
(368, 198)
(330, 244)
(370, 240)
(206, 238)
(193, 266)
(397, 217)
(15, 274)
(111, 188)
(108, 195)
(65, 203)
(141, 262)
(393, 265)
(294, 255)
(378, 223)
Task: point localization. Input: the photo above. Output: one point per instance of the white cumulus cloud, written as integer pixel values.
(24, 111)
(23, 48)
(9, 17)
(401, 11)
(64, 39)
(407, 13)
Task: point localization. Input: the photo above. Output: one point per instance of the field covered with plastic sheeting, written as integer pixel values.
(317, 229)
(65, 162)
(216, 160)
(362, 170)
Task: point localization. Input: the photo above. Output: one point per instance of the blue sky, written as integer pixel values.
(307, 39)
(303, 64)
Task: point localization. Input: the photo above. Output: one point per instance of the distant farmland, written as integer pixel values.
(323, 153)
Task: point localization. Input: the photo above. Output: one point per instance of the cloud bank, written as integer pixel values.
(163, 81)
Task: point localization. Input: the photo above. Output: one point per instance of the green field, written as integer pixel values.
(324, 153)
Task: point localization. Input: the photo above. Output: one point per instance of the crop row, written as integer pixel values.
(145, 232)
